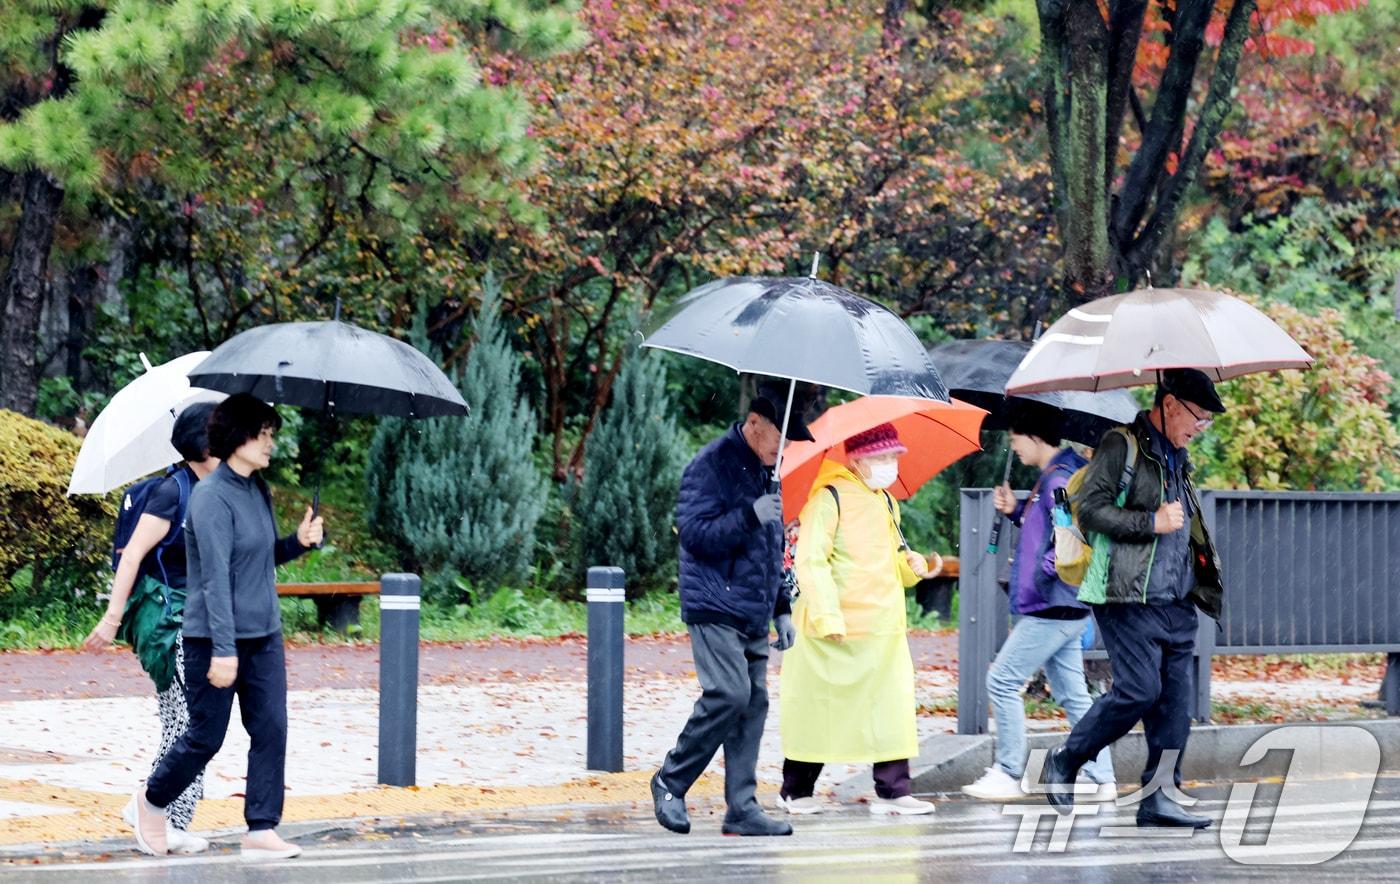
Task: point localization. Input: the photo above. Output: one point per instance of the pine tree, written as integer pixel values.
(624, 509)
(385, 98)
(463, 495)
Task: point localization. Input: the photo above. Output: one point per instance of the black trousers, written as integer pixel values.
(1150, 650)
(800, 778)
(261, 688)
(731, 711)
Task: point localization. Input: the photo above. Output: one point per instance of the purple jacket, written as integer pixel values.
(1034, 584)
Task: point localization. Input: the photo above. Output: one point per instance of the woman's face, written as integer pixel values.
(257, 451)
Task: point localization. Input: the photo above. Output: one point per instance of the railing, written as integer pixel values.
(1304, 572)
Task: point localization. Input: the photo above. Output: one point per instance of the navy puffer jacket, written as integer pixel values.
(731, 566)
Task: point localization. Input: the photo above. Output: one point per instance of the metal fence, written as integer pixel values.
(1304, 572)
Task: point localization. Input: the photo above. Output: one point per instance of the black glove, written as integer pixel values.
(769, 508)
(787, 633)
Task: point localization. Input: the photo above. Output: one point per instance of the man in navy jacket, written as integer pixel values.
(730, 522)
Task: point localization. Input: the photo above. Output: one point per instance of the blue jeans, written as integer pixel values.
(1037, 642)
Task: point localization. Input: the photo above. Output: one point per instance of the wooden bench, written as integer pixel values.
(337, 604)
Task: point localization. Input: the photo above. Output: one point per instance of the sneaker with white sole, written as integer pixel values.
(176, 840)
(995, 785)
(904, 805)
(800, 806)
(1085, 789)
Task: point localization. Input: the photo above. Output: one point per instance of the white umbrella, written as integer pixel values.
(131, 437)
(1126, 340)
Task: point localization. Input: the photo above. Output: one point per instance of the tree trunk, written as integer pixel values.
(1087, 255)
(24, 289)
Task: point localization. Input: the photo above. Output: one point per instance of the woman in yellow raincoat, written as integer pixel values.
(847, 689)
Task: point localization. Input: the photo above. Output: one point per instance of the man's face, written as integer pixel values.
(1184, 421)
(763, 437)
(1023, 446)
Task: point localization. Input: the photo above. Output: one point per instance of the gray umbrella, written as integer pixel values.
(334, 366)
(801, 329)
(977, 371)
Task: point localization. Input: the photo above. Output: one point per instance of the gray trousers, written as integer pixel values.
(731, 711)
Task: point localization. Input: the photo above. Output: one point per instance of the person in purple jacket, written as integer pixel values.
(1051, 621)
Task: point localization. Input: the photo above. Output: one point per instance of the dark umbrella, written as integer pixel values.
(332, 366)
(977, 371)
(801, 329)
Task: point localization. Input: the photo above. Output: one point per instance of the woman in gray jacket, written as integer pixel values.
(233, 630)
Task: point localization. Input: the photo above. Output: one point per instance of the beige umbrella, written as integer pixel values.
(1125, 340)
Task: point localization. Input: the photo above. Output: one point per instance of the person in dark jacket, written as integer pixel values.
(1162, 566)
(731, 534)
(1051, 621)
(156, 553)
(233, 630)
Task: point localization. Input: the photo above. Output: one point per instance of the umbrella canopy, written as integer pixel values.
(131, 437)
(977, 372)
(936, 434)
(801, 329)
(331, 365)
(1123, 340)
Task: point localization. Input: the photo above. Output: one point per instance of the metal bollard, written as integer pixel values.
(398, 678)
(605, 612)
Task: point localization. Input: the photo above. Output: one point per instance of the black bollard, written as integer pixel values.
(605, 610)
(398, 678)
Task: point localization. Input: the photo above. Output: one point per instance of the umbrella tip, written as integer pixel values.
(337, 309)
(146, 362)
(1149, 277)
(816, 259)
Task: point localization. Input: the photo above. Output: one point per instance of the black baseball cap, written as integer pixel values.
(1194, 386)
(770, 401)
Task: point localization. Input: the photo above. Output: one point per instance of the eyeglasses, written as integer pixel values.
(1201, 422)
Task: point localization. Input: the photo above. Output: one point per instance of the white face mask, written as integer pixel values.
(879, 475)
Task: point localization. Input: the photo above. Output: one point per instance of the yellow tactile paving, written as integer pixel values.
(94, 816)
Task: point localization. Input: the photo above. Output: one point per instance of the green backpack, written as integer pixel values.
(1081, 557)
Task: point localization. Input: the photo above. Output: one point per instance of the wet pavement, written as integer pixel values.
(964, 840)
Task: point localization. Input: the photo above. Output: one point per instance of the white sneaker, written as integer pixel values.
(904, 805)
(995, 785)
(1086, 789)
(800, 806)
(176, 840)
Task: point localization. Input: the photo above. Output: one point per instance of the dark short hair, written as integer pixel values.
(1030, 418)
(237, 419)
(191, 433)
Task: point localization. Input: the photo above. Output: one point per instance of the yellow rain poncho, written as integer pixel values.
(849, 701)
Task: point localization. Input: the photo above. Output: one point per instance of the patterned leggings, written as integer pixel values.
(174, 721)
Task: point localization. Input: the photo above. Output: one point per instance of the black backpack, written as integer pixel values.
(134, 504)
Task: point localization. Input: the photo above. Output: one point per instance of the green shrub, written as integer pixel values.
(463, 494)
(624, 508)
(54, 549)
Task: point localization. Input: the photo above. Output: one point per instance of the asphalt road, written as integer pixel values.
(964, 840)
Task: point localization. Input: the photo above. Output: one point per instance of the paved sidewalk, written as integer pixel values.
(500, 725)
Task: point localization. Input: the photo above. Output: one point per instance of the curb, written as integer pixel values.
(948, 762)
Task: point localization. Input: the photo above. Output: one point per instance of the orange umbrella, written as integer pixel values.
(936, 434)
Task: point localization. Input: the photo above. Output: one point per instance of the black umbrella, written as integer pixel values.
(332, 366)
(977, 371)
(801, 329)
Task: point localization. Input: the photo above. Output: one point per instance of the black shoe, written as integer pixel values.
(670, 808)
(1059, 780)
(1159, 810)
(756, 824)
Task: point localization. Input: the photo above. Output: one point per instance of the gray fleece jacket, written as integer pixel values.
(232, 548)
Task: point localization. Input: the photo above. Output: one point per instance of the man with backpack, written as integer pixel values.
(1145, 583)
(1051, 620)
(148, 596)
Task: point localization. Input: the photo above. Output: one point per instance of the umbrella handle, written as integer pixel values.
(994, 542)
(782, 440)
